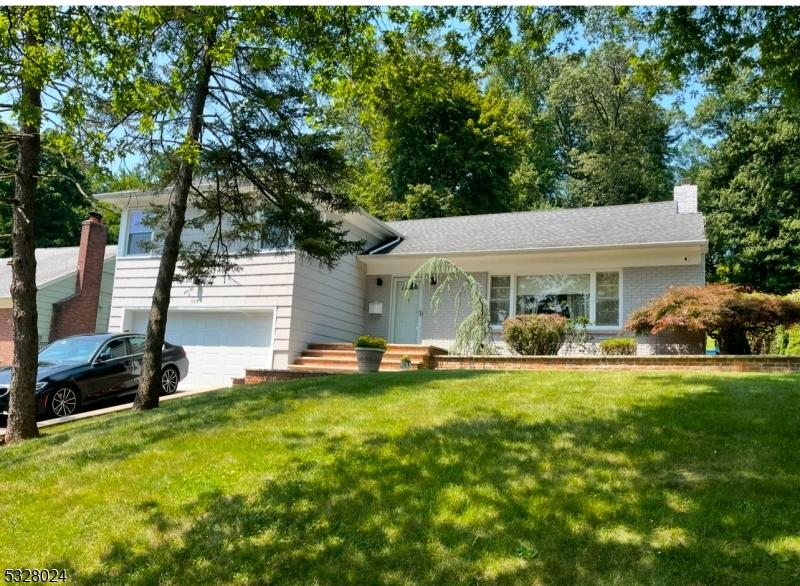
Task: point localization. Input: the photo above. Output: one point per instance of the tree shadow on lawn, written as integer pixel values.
(135, 432)
(694, 488)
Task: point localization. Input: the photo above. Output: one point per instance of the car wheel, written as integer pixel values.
(169, 380)
(64, 401)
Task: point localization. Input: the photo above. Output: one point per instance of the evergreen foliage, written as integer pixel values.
(473, 334)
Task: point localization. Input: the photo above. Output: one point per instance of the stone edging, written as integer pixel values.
(673, 363)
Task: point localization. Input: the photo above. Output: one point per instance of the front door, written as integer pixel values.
(406, 314)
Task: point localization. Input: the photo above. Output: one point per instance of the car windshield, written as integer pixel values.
(70, 350)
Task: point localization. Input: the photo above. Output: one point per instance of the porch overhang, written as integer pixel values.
(562, 259)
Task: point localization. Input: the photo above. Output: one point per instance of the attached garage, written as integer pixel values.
(220, 345)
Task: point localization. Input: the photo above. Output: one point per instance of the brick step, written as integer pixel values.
(350, 362)
(331, 369)
(351, 354)
(320, 369)
(404, 348)
(336, 357)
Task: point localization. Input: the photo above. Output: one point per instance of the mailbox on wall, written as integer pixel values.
(376, 308)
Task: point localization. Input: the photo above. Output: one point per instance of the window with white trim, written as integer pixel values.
(595, 296)
(499, 299)
(566, 295)
(607, 299)
(139, 235)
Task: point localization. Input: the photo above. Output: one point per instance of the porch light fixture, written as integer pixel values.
(380, 282)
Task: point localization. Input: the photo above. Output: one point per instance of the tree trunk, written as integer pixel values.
(150, 382)
(734, 342)
(25, 361)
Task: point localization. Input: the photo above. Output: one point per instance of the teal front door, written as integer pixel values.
(406, 315)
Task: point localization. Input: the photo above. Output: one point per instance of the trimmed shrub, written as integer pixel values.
(535, 335)
(618, 347)
(370, 342)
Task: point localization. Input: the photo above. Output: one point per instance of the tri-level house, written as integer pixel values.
(599, 263)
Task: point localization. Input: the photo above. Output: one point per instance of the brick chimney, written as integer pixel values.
(77, 314)
(685, 196)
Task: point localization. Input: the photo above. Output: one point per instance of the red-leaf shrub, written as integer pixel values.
(726, 312)
(535, 335)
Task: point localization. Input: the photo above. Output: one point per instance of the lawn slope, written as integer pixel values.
(423, 477)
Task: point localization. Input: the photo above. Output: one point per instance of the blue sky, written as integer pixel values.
(685, 100)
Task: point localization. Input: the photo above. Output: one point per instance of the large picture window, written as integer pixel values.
(592, 295)
(566, 295)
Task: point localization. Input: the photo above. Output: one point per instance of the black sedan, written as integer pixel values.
(77, 371)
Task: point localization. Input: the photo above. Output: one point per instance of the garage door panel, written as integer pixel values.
(220, 345)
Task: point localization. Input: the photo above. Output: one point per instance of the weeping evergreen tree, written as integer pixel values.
(474, 334)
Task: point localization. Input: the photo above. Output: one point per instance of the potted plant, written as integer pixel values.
(369, 353)
(405, 362)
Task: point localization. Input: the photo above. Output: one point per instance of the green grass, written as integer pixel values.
(423, 477)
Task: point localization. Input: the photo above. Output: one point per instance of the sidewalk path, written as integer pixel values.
(113, 409)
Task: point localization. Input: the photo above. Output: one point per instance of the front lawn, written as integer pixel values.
(423, 477)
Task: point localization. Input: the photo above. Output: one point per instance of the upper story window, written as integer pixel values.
(275, 238)
(138, 234)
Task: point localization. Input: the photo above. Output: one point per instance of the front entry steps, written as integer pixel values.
(340, 357)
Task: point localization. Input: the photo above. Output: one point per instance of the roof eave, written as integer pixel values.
(670, 244)
(73, 273)
(156, 193)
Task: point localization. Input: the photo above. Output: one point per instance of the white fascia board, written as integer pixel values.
(545, 250)
(545, 260)
(137, 198)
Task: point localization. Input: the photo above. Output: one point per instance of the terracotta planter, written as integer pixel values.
(369, 359)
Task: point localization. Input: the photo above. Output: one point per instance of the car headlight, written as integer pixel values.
(40, 386)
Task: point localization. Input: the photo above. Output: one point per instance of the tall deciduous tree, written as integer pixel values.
(45, 57)
(62, 190)
(716, 42)
(615, 141)
(229, 102)
(433, 143)
(750, 186)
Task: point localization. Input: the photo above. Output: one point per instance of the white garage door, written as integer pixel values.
(220, 345)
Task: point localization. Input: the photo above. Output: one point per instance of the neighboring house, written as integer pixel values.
(73, 288)
(600, 263)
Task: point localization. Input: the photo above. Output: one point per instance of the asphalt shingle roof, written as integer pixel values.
(51, 264)
(645, 223)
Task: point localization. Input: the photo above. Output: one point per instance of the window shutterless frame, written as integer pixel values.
(128, 232)
(592, 296)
